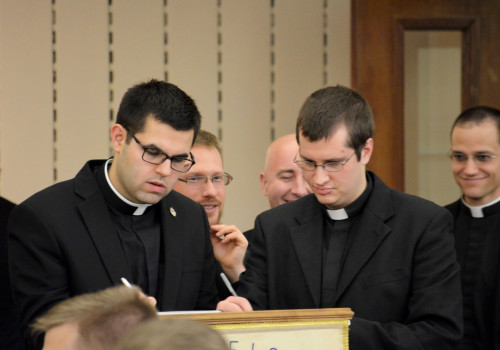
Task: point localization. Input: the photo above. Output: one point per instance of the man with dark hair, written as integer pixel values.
(94, 321)
(355, 242)
(119, 218)
(475, 162)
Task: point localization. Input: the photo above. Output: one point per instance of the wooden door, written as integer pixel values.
(378, 70)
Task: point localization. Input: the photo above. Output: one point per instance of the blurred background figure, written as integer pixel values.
(94, 321)
(173, 335)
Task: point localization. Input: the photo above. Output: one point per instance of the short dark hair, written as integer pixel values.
(163, 101)
(328, 109)
(477, 115)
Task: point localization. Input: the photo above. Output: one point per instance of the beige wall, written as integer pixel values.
(37, 149)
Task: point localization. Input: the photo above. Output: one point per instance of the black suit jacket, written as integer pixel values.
(400, 275)
(483, 309)
(63, 243)
(10, 337)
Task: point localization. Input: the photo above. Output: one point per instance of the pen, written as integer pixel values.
(125, 282)
(228, 284)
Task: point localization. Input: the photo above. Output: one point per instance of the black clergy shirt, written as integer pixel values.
(139, 236)
(477, 241)
(336, 245)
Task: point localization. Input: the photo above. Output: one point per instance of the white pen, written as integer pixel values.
(228, 284)
(125, 282)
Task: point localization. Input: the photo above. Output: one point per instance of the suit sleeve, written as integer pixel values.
(208, 297)
(37, 270)
(253, 282)
(434, 319)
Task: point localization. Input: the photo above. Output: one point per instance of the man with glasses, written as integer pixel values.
(355, 242)
(205, 183)
(119, 218)
(475, 162)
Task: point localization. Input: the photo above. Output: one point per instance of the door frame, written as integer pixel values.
(470, 65)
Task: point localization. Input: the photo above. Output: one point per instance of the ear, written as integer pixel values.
(263, 183)
(118, 137)
(367, 151)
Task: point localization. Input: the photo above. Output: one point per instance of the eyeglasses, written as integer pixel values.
(307, 165)
(156, 156)
(199, 181)
(481, 158)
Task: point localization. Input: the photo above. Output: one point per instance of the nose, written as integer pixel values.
(209, 189)
(470, 167)
(320, 176)
(164, 168)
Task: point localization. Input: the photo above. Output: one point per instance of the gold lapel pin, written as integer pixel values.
(172, 211)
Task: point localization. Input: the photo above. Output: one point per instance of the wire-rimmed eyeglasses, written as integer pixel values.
(156, 156)
(307, 165)
(199, 181)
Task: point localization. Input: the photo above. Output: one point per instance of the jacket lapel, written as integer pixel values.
(307, 239)
(172, 243)
(367, 236)
(102, 231)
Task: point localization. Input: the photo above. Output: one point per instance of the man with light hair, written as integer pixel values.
(282, 181)
(173, 334)
(94, 321)
(205, 183)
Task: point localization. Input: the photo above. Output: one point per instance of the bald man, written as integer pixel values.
(282, 179)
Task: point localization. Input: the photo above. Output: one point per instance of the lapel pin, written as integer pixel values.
(172, 211)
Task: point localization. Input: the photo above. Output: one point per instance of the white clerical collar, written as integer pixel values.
(477, 211)
(141, 208)
(337, 214)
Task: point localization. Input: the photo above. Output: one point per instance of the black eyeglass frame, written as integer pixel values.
(165, 156)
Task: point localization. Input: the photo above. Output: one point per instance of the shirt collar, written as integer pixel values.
(337, 214)
(355, 207)
(140, 208)
(476, 211)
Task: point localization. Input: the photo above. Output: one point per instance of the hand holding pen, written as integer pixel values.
(151, 300)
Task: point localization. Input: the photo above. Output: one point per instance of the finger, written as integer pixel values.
(242, 304)
(224, 228)
(236, 238)
(226, 306)
(148, 298)
(152, 301)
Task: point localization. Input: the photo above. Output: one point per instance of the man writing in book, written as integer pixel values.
(119, 217)
(355, 242)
